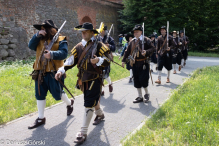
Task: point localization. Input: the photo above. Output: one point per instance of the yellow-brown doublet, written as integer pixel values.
(55, 47)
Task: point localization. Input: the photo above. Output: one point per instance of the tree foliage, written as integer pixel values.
(199, 17)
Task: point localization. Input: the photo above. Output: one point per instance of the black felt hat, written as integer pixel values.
(181, 31)
(152, 35)
(137, 27)
(46, 23)
(129, 35)
(105, 28)
(162, 27)
(86, 26)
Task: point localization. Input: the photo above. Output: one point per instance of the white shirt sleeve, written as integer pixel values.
(100, 62)
(68, 62)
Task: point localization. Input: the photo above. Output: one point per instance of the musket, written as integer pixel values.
(167, 36)
(94, 47)
(108, 35)
(178, 41)
(142, 38)
(184, 37)
(48, 47)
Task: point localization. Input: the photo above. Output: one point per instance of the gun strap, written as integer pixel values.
(84, 52)
(134, 46)
(164, 42)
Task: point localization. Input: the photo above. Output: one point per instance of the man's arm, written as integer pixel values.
(123, 50)
(70, 62)
(103, 55)
(112, 44)
(33, 43)
(171, 43)
(158, 45)
(61, 53)
(127, 53)
(150, 46)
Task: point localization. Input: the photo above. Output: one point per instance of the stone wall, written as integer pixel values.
(18, 16)
(7, 44)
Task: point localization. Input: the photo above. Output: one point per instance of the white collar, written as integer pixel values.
(85, 42)
(139, 37)
(101, 37)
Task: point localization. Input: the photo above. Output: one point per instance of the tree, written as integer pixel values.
(199, 17)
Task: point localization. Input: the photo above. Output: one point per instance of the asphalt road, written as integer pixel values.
(121, 115)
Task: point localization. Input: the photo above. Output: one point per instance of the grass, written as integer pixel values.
(189, 117)
(18, 95)
(201, 54)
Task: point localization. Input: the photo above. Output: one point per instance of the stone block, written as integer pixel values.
(12, 46)
(13, 41)
(3, 53)
(11, 53)
(4, 41)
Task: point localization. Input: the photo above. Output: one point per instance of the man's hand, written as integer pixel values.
(143, 52)
(58, 75)
(95, 60)
(107, 45)
(119, 57)
(180, 43)
(168, 49)
(42, 32)
(156, 56)
(185, 42)
(47, 54)
(123, 64)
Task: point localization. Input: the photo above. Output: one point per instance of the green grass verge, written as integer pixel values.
(200, 54)
(189, 117)
(18, 95)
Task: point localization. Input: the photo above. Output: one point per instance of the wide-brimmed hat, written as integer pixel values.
(162, 27)
(174, 31)
(86, 26)
(120, 35)
(137, 27)
(46, 23)
(129, 35)
(152, 35)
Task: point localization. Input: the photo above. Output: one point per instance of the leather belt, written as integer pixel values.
(141, 59)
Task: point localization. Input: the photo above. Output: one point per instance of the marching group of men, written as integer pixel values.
(92, 56)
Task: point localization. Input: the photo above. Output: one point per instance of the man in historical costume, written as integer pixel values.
(154, 56)
(177, 53)
(139, 60)
(111, 45)
(129, 37)
(164, 54)
(46, 72)
(90, 76)
(185, 42)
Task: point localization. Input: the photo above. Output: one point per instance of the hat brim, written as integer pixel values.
(38, 26)
(136, 29)
(129, 35)
(80, 29)
(160, 29)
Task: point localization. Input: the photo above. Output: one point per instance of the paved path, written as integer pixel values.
(122, 116)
